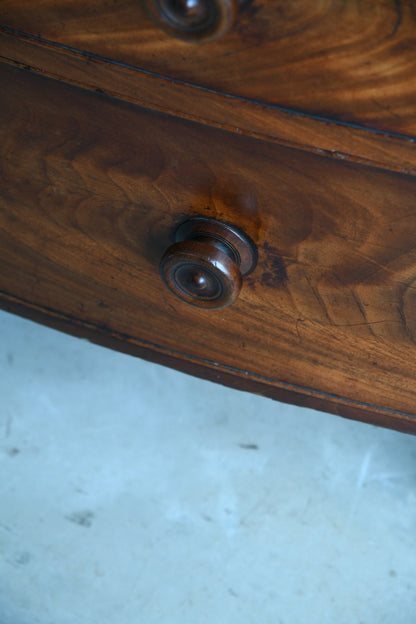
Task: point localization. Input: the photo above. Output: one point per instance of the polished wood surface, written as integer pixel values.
(351, 61)
(92, 189)
(244, 117)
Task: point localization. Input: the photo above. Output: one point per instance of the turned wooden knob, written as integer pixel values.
(207, 261)
(194, 20)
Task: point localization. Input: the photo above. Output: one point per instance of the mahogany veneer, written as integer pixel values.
(101, 161)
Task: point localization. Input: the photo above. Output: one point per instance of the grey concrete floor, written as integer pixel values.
(131, 493)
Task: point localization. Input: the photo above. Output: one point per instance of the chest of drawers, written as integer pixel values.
(295, 124)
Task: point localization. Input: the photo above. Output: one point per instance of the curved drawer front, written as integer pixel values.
(351, 61)
(91, 193)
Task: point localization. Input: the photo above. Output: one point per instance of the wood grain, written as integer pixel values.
(289, 128)
(351, 61)
(91, 189)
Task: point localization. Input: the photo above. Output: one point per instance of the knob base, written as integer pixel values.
(225, 236)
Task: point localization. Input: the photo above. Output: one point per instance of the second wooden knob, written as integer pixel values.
(194, 20)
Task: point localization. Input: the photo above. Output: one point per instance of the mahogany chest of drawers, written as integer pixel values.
(268, 146)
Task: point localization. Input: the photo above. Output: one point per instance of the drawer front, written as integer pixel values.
(92, 189)
(351, 61)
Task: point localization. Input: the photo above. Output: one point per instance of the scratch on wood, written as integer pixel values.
(399, 18)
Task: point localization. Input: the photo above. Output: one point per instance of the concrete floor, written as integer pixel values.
(134, 494)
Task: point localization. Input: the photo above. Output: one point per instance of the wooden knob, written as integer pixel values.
(207, 261)
(194, 20)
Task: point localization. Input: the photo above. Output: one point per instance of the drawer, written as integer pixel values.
(92, 189)
(349, 61)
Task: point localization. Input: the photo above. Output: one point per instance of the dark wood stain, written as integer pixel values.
(274, 274)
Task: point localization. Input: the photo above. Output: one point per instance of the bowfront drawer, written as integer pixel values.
(93, 191)
(350, 61)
